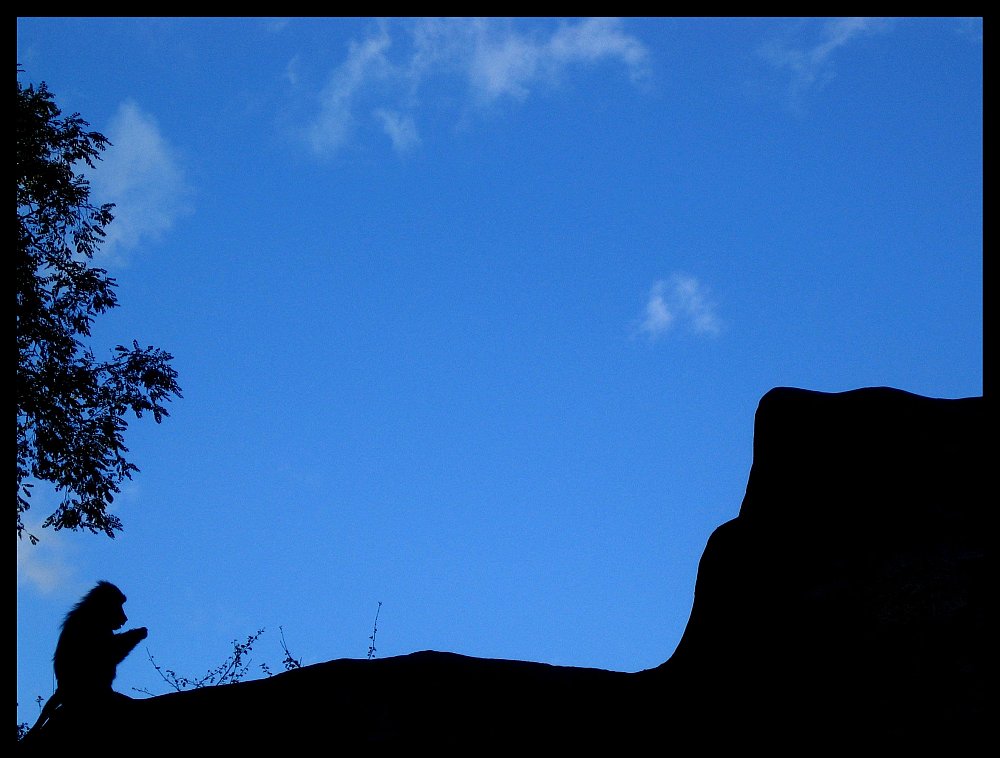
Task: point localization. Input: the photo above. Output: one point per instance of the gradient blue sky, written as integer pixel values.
(472, 317)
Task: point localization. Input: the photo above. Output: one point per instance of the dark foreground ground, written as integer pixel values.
(844, 608)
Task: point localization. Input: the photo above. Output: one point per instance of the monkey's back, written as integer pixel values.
(83, 659)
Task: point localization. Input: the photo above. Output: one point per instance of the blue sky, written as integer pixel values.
(472, 317)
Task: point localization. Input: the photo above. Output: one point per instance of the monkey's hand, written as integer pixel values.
(124, 642)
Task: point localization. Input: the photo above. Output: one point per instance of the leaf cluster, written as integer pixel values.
(71, 406)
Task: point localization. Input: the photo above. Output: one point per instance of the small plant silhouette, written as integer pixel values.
(231, 670)
(24, 726)
(234, 669)
(371, 647)
(288, 662)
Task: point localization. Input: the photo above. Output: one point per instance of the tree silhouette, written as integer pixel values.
(71, 406)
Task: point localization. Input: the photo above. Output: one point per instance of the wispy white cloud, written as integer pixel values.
(292, 71)
(140, 173)
(504, 62)
(400, 128)
(53, 563)
(490, 59)
(680, 301)
(366, 63)
(597, 39)
(659, 316)
(275, 25)
(809, 64)
(971, 28)
(47, 566)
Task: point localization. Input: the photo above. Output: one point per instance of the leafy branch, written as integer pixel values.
(233, 669)
(289, 662)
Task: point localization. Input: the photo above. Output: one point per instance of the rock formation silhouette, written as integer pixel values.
(845, 607)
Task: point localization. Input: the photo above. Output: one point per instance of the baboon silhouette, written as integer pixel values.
(89, 650)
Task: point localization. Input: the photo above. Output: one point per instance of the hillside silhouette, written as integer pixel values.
(845, 607)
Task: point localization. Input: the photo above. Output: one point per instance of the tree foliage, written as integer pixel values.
(71, 406)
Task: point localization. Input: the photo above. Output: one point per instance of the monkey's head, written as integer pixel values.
(102, 607)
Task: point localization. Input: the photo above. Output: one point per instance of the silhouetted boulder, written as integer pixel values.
(846, 604)
(845, 607)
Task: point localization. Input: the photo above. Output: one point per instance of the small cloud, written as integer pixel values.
(141, 175)
(400, 128)
(595, 39)
(292, 71)
(498, 60)
(275, 25)
(503, 65)
(679, 301)
(659, 316)
(971, 28)
(809, 64)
